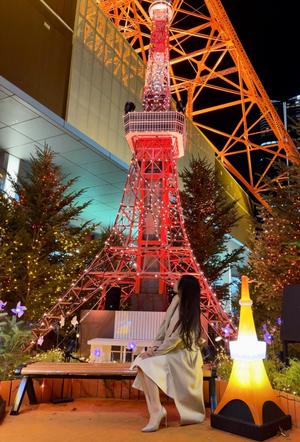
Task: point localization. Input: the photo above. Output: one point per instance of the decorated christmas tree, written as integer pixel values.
(210, 217)
(43, 246)
(275, 258)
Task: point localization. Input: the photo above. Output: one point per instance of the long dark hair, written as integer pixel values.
(189, 311)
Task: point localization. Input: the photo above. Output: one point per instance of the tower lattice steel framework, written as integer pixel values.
(148, 249)
(212, 73)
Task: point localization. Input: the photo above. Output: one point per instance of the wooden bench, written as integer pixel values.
(71, 370)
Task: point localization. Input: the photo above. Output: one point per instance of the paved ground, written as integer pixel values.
(89, 420)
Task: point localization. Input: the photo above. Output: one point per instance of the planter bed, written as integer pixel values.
(48, 389)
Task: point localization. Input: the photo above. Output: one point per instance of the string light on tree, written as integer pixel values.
(37, 260)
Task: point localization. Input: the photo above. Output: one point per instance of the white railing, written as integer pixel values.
(169, 121)
(137, 325)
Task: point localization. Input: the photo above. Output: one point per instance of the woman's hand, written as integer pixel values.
(148, 353)
(145, 355)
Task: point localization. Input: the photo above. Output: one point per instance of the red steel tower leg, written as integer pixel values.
(148, 249)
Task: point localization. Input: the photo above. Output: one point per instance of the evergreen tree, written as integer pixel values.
(41, 248)
(275, 258)
(210, 217)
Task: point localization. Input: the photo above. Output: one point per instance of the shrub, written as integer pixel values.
(14, 335)
(224, 365)
(53, 355)
(288, 379)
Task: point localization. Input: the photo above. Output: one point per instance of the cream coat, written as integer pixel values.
(176, 370)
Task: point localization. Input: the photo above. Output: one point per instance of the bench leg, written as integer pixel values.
(26, 384)
(212, 393)
(19, 396)
(31, 392)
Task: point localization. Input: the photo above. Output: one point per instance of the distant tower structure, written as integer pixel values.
(289, 113)
(267, 136)
(148, 249)
(293, 119)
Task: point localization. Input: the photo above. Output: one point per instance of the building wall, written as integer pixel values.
(3, 167)
(105, 73)
(36, 45)
(242, 231)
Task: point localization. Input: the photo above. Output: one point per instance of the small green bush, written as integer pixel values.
(288, 379)
(224, 365)
(273, 367)
(14, 335)
(53, 355)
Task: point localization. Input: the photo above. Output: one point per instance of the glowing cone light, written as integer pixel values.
(249, 406)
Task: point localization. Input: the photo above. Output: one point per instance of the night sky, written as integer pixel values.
(270, 33)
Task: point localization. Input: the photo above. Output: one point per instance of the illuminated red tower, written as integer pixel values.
(148, 249)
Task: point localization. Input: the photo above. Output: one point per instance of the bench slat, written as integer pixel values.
(76, 369)
(83, 369)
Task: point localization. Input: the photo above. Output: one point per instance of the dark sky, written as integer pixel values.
(270, 33)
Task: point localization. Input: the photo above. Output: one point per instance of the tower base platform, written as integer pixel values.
(250, 430)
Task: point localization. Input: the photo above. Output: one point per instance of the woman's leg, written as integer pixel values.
(152, 397)
(142, 379)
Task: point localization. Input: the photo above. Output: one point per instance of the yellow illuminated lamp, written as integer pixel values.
(249, 406)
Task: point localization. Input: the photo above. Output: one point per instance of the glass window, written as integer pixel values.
(139, 88)
(126, 55)
(87, 67)
(116, 90)
(82, 7)
(91, 12)
(101, 24)
(92, 124)
(97, 74)
(118, 68)
(123, 98)
(110, 34)
(106, 82)
(119, 43)
(141, 70)
(125, 75)
(95, 102)
(132, 83)
(114, 117)
(99, 47)
(103, 132)
(108, 57)
(133, 66)
(105, 106)
(80, 28)
(89, 36)
(3, 165)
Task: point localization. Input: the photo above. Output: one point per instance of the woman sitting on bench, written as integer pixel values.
(176, 365)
